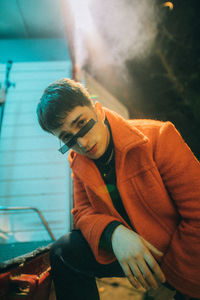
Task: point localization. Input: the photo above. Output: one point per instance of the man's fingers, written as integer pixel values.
(132, 279)
(136, 271)
(152, 262)
(147, 273)
(134, 282)
(154, 266)
(152, 248)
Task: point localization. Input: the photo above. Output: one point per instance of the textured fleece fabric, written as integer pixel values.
(158, 178)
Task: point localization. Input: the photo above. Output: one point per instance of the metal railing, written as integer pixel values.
(5, 208)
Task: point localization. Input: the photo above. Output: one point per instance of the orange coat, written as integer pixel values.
(158, 179)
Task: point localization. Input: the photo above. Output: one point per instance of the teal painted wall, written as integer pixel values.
(32, 171)
(26, 50)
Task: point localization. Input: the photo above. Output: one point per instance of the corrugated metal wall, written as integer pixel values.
(32, 171)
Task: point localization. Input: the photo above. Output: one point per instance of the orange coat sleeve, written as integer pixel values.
(91, 222)
(180, 172)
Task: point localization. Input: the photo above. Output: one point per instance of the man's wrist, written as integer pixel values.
(115, 231)
(105, 241)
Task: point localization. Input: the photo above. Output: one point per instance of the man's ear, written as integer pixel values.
(99, 111)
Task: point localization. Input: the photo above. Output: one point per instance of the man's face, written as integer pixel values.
(94, 143)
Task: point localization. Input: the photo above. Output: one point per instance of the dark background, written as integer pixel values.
(168, 80)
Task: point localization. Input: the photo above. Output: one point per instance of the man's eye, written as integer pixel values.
(66, 138)
(81, 123)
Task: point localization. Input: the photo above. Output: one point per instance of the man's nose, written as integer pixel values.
(82, 142)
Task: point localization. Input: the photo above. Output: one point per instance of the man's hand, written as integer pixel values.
(134, 255)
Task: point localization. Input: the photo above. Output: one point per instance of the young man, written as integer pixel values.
(136, 199)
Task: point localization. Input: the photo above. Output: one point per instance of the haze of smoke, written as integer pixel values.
(128, 27)
(119, 30)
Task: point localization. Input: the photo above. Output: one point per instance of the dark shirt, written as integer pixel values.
(106, 166)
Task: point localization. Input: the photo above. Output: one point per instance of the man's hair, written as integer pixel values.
(58, 99)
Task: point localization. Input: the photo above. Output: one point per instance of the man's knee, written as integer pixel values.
(67, 247)
(58, 247)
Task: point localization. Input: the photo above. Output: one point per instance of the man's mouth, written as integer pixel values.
(93, 149)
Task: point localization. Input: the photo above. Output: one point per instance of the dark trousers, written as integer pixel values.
(74, 269)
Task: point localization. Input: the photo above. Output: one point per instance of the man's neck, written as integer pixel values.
(109, 153)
